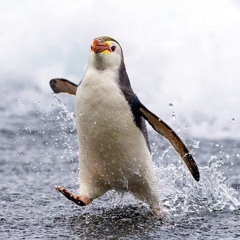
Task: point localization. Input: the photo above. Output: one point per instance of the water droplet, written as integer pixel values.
(196, 144)
(173, 116)
(170, 105)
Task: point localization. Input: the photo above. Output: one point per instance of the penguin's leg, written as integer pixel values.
(81, 200)
(147, 192)
(147, 195)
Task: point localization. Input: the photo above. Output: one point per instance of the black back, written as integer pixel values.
(133, 101)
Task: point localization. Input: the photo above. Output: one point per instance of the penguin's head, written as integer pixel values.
(105, 53)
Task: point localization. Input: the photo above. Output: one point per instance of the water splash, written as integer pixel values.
(66, 115)
(67, 124)
(181, 194)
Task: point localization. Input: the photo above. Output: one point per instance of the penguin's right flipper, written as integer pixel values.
(161, 127)
(61, 85)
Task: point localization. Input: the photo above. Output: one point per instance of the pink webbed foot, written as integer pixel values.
(78, 199)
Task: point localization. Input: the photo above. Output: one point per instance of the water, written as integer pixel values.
(39, 150)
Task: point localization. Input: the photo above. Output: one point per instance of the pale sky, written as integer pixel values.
(182, 52)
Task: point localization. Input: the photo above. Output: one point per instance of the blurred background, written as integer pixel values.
(182, 57)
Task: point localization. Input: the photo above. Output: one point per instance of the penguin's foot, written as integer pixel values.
(78, 199)
(158, 212)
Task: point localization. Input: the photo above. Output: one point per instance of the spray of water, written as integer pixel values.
(181, 194)
(65, 141)
(179, 191)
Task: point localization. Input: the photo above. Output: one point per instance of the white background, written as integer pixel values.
(186, 53)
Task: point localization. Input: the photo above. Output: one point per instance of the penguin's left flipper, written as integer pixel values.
(161, 127)
(61, 85)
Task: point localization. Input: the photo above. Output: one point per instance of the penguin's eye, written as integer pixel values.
(113, 48)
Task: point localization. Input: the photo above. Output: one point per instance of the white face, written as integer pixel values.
(105, 54)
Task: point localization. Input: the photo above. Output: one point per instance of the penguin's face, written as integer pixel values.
(105, 53)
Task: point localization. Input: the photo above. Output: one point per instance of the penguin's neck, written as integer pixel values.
(102, 62)
(94, 76)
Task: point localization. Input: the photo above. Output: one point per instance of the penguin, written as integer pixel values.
(114, 149)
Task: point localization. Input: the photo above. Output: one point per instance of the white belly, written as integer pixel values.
(113, 151)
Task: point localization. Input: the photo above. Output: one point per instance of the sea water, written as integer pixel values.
(39, 150)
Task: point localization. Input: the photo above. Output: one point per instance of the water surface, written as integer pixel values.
(39, 151)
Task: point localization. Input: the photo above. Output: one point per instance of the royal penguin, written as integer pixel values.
(114, 149)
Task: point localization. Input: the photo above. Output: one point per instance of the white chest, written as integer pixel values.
(104, 118)
(101, 107)
(109, 140)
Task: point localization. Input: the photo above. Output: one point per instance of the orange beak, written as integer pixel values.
(98, 46)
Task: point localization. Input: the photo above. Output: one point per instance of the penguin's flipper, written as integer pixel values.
(79, 200)
(61, 85)
(162, 128)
